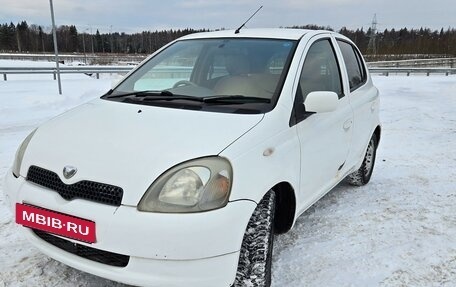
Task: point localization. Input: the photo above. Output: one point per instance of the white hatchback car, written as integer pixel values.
(182, 174)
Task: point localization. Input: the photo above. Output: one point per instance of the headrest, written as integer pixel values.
(237, 64)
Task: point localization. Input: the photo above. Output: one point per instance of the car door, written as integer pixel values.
(324, 137)
(363, 99)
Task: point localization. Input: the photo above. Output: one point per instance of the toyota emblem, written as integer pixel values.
(69, 171)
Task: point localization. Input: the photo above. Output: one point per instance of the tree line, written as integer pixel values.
(34, 39)
(26, 38)
(423, 41)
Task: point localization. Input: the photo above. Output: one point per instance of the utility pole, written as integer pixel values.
(372, 46)
(54, 33)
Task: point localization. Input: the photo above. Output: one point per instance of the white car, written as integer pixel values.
(184, 171)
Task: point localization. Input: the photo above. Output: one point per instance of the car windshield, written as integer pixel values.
(236, 75)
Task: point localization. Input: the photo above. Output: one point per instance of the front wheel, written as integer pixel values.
(255, 260)
(364, 173)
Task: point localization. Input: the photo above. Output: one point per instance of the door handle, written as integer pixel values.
(348, 124)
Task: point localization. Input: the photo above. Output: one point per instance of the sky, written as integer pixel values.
(141, 15)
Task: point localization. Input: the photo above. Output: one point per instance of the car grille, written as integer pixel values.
(89, 190)
(86, 252)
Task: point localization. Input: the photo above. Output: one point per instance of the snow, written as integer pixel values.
(399, 230)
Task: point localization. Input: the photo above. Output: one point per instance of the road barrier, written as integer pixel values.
(89, 70)
(416, 63)
(185, 71)
(409, 71)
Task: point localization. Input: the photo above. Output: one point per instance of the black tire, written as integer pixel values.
(255, 260)
(363, 175)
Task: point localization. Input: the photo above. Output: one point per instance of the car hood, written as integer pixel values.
(128, 145)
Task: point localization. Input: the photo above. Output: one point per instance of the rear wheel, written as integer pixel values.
(255, 260)
(364, 173)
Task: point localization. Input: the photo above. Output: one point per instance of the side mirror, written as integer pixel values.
(321, 102)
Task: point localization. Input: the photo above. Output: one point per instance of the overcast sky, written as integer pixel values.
(139, 15)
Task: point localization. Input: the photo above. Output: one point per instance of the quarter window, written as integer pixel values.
(361, 65)
(354, 65)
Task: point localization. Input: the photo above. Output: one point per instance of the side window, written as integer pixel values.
(320, 71)
(355, 68)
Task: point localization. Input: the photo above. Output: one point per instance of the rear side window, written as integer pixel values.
(354, 64)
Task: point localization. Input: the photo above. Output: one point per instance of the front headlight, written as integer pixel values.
(197, 185)
(20, 154)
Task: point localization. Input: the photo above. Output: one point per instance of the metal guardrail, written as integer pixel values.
(80, 57)
(70, 68)
(434, 62)
(409, 71)
(97, 70)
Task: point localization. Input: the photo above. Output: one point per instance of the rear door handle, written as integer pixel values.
(348, 124)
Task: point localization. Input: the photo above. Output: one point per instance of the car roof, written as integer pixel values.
(270, 33)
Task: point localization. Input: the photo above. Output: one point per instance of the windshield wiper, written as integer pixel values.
(145, 93)
(150, 95)
(235, 99)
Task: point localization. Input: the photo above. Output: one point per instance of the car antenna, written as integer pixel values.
(239, 29)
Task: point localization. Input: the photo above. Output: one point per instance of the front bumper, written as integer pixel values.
(197, 249)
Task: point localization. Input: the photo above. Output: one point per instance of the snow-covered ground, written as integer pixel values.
(399, 230)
